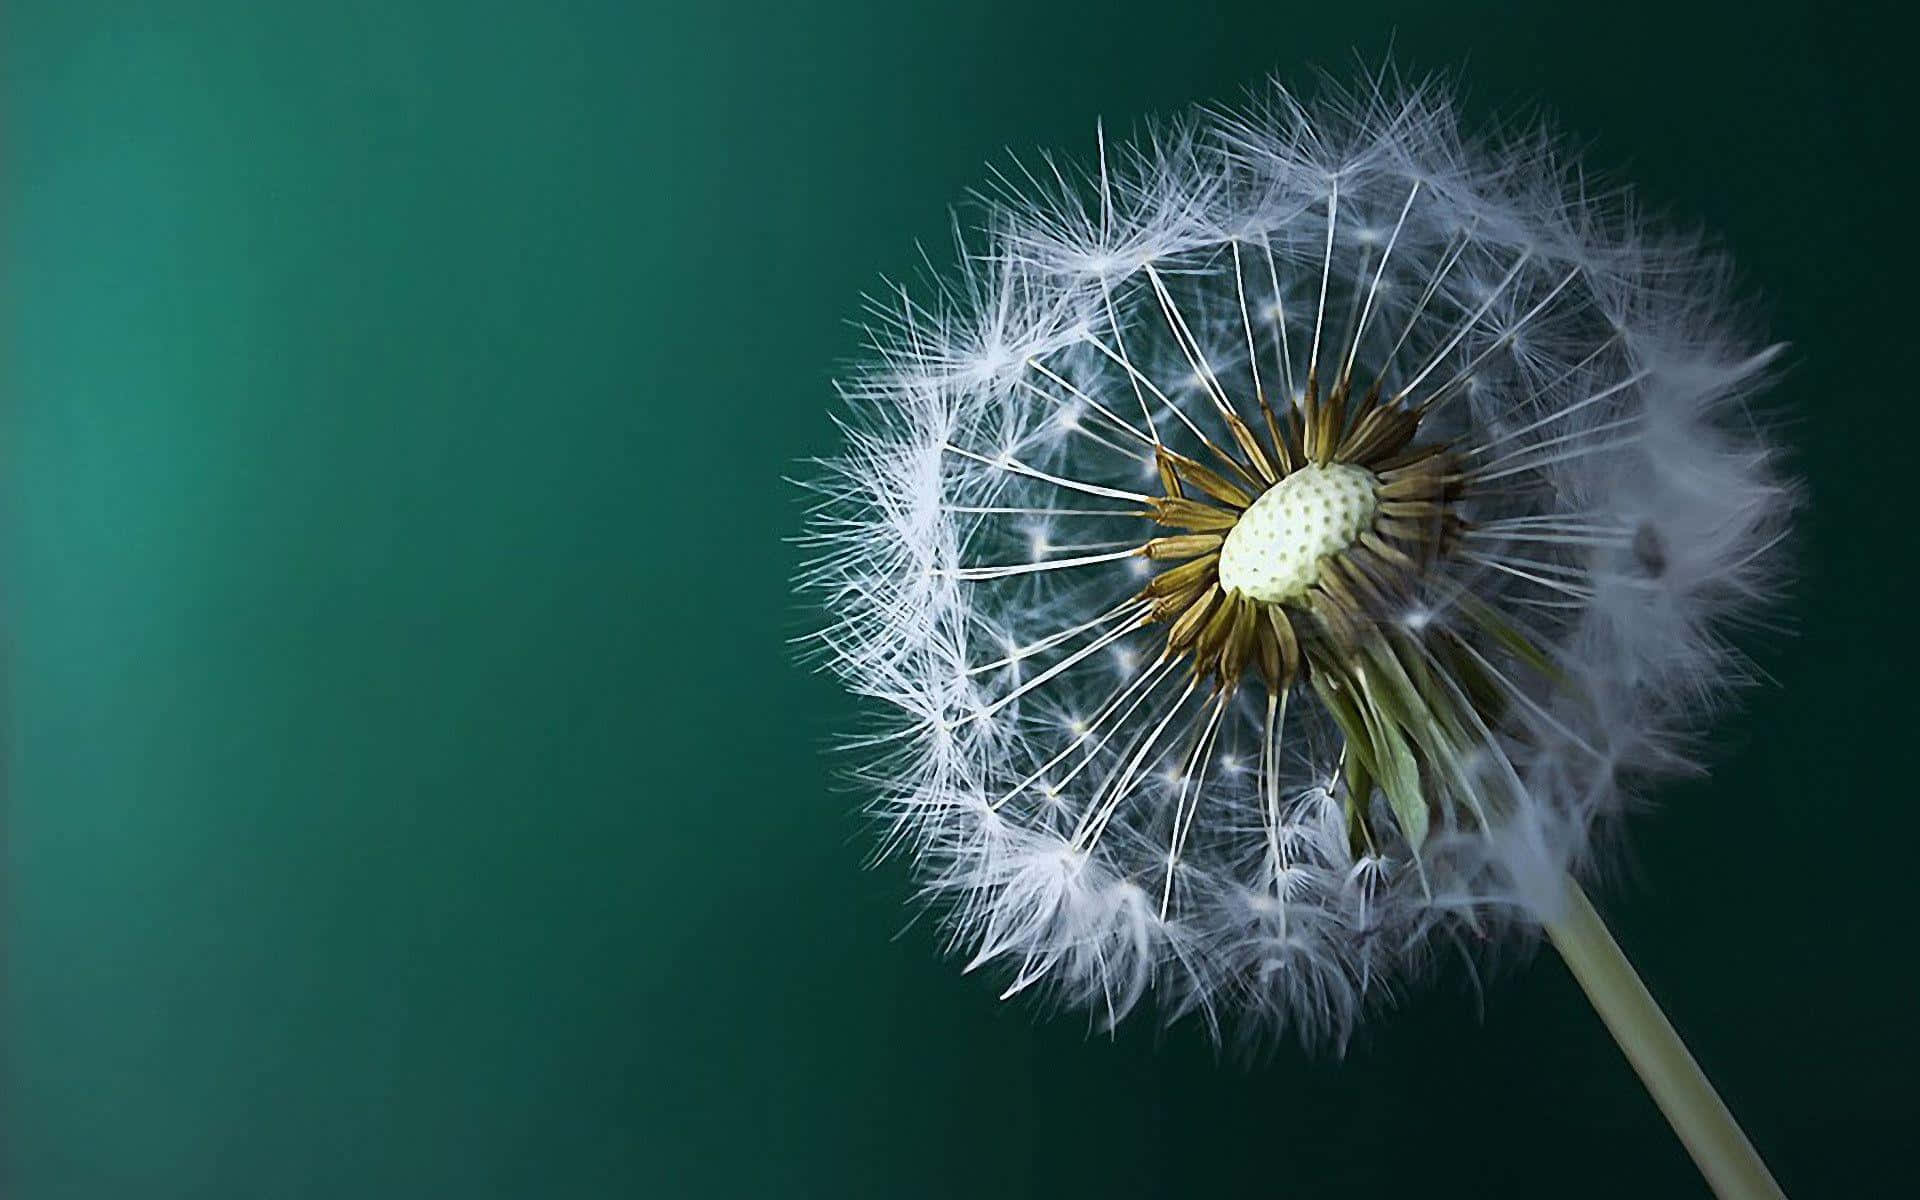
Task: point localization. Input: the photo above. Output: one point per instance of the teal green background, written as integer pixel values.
(409, 790)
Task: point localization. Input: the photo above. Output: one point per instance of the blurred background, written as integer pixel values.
(409, 790)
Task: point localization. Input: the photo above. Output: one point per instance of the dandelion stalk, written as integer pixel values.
(1715, 1140)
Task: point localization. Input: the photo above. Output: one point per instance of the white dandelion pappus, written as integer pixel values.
(1277, 549)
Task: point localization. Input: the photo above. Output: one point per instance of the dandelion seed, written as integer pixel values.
(1446, 500)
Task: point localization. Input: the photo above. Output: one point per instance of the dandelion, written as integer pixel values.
(1278, 550)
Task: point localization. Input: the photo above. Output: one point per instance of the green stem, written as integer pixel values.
(1692, 1107)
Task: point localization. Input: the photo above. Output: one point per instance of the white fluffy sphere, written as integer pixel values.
(1108, 814)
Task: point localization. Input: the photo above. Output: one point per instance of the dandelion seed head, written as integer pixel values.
(1276, 548)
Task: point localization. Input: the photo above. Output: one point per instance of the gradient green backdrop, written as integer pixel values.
(409, 791)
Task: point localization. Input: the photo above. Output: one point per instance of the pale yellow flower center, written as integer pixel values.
(1273, 552)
